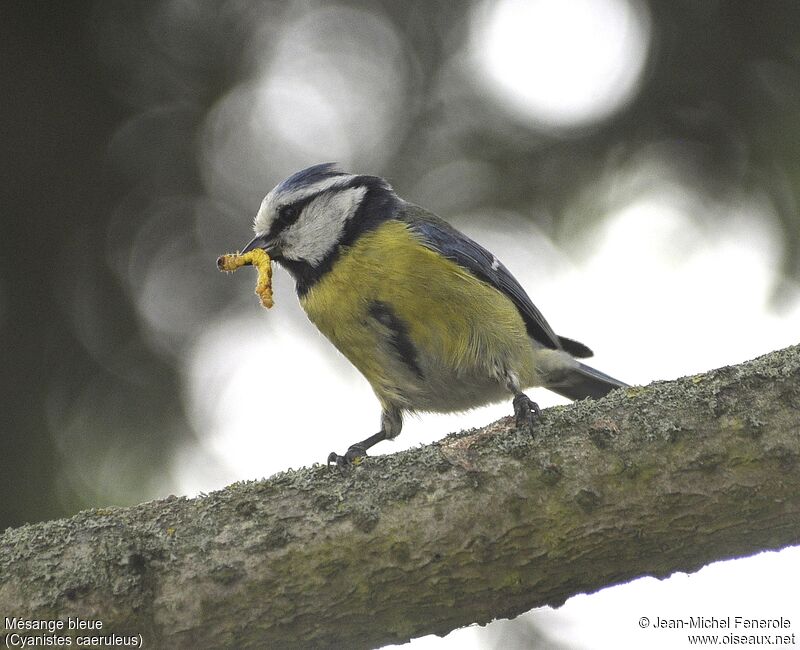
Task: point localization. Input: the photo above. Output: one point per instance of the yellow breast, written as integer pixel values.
(462, 329)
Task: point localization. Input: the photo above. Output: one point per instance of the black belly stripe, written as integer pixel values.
(398, 335)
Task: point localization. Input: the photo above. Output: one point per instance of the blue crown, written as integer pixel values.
(310, 175)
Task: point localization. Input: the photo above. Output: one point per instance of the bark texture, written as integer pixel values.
(484, 524)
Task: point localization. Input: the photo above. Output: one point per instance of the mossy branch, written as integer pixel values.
(483, 524)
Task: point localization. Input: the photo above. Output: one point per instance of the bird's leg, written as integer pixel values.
(391, 425)
(356, 451)
(524, 407)
(524, 410)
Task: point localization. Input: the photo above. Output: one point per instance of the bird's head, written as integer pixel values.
(304, 220)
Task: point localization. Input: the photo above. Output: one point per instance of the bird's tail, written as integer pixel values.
(583, 381)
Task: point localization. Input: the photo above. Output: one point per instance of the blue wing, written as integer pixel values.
(454, 245)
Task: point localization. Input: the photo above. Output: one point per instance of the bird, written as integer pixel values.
(431, 319)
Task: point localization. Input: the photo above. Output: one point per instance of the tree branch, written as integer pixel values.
(483, 524)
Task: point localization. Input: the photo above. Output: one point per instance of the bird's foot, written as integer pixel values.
(353, 456)
(524, 411)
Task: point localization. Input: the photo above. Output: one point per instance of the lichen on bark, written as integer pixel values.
(483, 524)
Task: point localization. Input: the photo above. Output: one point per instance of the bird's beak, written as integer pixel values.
(259, 242)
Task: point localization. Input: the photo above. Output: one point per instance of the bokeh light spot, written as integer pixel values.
(562, 64)
(330, 84)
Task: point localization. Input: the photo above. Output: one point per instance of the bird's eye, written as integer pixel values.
(288, 214)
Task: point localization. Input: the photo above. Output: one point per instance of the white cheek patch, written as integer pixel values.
(320, 227)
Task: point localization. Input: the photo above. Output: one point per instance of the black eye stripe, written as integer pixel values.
(289, 214)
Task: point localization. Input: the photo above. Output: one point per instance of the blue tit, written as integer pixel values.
(432, 320)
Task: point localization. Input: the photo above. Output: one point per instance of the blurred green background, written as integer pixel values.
(139, 138)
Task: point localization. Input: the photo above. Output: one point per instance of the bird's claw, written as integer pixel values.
(524, 411)
(353, 456)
